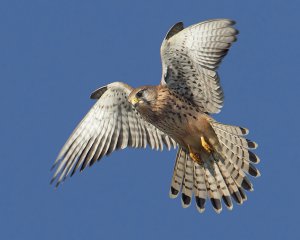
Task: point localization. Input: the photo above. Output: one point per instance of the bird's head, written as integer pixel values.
(143, 96)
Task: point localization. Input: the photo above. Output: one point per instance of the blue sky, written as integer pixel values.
(53, 54)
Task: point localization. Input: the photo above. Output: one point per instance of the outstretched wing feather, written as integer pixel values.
(111, 124)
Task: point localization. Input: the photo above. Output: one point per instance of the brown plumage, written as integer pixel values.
(213, 159)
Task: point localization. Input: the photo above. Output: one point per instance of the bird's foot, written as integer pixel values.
(205, 145)
(195, 157)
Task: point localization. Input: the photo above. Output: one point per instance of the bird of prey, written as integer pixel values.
(213, 159)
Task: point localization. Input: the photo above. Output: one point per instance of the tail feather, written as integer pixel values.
(200, 190)
(188, 182)
(221, 174)
(223, 189)
(234, 143)
(233, 150)
(242, 193)
(237, 140)
(178, 174)
(212, 187)
(239, 131)
(246, 166)
(231, 184)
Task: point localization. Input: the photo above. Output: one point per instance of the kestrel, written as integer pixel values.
(213, 159)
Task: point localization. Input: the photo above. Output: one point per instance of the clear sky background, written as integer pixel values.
(53, 54)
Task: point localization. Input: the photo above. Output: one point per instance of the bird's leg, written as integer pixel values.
(205, 145)
(195, 156)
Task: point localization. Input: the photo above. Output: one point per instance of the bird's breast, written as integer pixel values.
(176, 117)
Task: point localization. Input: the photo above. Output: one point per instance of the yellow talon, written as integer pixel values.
(205, 145)
(195, 156)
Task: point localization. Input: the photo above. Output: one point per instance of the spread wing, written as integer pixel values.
(190, 58)
(111, 124)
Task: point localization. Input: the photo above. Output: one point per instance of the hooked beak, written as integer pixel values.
(134, 101)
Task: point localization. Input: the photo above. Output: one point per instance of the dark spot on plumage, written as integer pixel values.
(242, 193)
(200, 202)
(243, 130)
(250, 144)
(194, 117)
(237, 197)
(252, 170)
(252, 157)
(246, 184)
(174, 191)
(216, 203)
(186, 199)
(227, 201)
(184, 115)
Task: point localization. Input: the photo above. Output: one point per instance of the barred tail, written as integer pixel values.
(222, 176)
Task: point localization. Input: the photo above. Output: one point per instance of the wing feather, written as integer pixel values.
(191, 57)
(111, 124)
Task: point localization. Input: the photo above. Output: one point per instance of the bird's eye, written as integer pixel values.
(140, 93)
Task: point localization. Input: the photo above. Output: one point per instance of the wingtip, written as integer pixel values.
(251, 144)
(52, 181)
(253, 157)
(233, 22)
(245, 131)
(55, 163)
(98, 92)
(176, 28)
(253, 171)
(52, 167)
(258, 173)
(59, 183)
